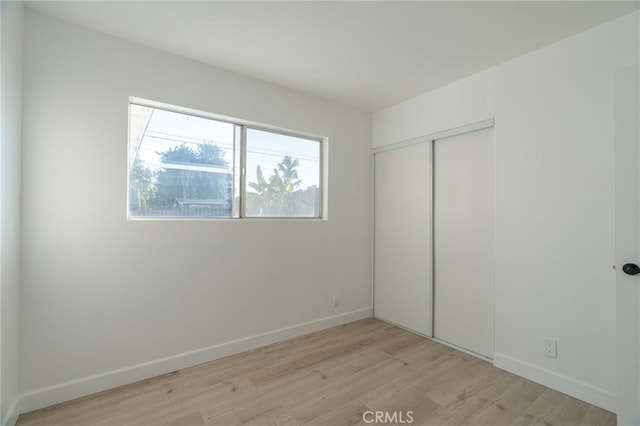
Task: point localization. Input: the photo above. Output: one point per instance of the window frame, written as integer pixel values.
(244, 125)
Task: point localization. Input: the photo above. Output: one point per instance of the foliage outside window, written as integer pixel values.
(190, 165)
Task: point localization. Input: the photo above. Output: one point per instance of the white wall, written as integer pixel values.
(554, 207)
(101, 294)
(11, 125)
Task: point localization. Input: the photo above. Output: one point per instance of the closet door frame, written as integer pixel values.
(426, 139)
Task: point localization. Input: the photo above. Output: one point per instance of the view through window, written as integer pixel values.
(190, 165)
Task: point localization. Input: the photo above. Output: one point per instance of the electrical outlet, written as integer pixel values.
(550, 348)
(335, 300)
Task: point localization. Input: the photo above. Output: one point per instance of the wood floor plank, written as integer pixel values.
(193, 419)
(553, 408)
(331, 378)
(331, 396)
(498, 404)
(597, 417)
(346, 414)
(399, 398)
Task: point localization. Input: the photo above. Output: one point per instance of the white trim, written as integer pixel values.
(431, 287)
(12, 414)
(472, 127)
(73, 389)
(584, 391)
(373, 233)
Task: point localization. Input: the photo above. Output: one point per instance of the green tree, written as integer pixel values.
(185, 183)
(278, 196)
(289, 174)
(142, 186)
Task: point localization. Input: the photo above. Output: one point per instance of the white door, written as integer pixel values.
(463, 214)
(402, 245)
(627, 160)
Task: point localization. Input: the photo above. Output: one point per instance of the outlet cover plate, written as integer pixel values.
(550, 348)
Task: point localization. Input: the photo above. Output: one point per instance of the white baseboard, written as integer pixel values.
(584, 391)
(67, 391)
(12, 414)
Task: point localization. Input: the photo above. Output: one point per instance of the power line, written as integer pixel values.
(230, 146)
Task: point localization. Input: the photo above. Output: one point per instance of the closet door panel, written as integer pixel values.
(402, 237)
(463, 186)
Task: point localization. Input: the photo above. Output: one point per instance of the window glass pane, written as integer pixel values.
(282, 175)
(181, 165)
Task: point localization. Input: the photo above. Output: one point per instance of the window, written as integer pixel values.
(185, 163)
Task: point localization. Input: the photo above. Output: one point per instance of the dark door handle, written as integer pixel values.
(631, 269)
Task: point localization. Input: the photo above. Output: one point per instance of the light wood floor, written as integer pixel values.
(332, 378)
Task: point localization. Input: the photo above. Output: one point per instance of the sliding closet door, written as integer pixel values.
(463, 179)
(402, 271)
